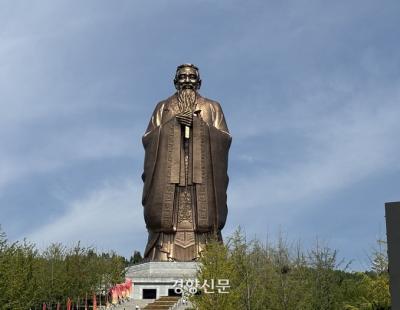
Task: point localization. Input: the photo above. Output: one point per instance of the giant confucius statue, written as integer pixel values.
(185, 172)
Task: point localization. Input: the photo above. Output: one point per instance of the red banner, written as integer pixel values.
(68, 304)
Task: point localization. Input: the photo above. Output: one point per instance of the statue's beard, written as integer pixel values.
(186, 99)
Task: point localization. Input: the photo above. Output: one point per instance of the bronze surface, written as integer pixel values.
(185, 172)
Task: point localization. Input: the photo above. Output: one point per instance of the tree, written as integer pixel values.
(28, 278)
(214, 265)
(136, 258)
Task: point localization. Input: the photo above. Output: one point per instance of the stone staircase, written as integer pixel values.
(131, 304)
(163, 303)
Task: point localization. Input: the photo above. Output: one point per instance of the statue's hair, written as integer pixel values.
(187, 65)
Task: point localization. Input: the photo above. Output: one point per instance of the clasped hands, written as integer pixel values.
(185, 118)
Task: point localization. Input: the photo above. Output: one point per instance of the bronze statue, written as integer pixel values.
(185, 172)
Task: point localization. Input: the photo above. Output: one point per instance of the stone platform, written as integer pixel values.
(153, 280)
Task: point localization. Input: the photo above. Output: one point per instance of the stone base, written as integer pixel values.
(159, 276)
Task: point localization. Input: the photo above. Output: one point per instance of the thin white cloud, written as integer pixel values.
(59, 149)
(110, 217)
(45, 111)
(343, 147)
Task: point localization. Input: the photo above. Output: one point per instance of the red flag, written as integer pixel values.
(119, 288)
(123, 290)
(44, 306)
(68, 304)
(94, 302)
(114, 295)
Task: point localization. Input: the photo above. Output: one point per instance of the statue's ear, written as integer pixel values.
(199, 84)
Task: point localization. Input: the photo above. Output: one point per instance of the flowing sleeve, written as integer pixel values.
(150, 143)
(219, 118)
(155, 120)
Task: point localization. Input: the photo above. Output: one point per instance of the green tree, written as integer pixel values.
(214, 265)
(136, 258)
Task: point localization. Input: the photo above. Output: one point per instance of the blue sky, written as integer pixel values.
(310, 90)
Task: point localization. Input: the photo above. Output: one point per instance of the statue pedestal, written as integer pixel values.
(152, 280)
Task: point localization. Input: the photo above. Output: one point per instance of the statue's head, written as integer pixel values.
(187, 77)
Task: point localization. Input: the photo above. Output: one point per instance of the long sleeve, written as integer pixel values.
(156, 118)
(219, 118)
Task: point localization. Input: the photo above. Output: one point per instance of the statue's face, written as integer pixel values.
(187, 78)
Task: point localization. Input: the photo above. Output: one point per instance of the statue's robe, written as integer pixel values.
(202, 180)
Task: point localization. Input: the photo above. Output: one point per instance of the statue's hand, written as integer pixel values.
(185, 118)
